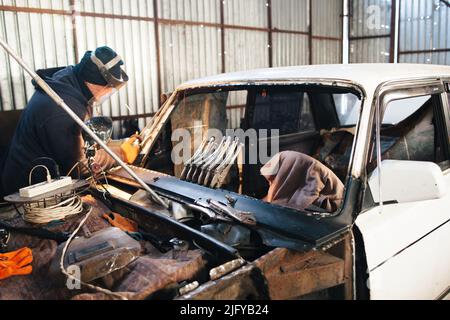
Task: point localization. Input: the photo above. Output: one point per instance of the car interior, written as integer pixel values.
(316, 121)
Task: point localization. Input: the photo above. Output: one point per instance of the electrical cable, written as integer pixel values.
(76, 165)
(54, 208)
(60, 210)
(49, 177)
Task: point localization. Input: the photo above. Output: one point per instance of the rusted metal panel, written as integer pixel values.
(344, 249)
(242, 284)
(293, 274)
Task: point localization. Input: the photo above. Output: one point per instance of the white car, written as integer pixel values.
(395, 221)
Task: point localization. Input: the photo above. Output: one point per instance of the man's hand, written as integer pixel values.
(131, 148)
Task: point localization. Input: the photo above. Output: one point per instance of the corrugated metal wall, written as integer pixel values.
(370, 30)
(326, 28)
(164, 42)
(290, 48)
(423, 28)
(424, 32)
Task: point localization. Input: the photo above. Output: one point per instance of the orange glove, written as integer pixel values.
(16, 263)
(120, 222)
(130, 148)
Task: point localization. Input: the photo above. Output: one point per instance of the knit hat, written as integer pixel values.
(88, 70)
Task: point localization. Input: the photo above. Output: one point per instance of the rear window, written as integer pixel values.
(288, 111)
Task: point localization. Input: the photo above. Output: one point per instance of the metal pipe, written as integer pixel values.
(396, 25)
(60, 102)
(345, 32)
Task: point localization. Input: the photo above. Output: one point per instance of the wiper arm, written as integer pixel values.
(228, 211)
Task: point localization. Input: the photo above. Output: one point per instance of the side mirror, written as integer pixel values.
(102, 127)
(408, 181)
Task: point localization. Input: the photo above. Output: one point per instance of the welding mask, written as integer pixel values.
(113, 83)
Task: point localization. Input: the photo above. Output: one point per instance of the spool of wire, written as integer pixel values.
(54, 208)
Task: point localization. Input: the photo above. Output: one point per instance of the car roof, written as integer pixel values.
(369, 76)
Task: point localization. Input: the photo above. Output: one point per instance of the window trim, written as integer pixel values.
(435, 90)
(392, 92)
(445, 100)
(407, 88)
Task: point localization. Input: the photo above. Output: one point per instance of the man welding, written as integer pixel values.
(47, 131)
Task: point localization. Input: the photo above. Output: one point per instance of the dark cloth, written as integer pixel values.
(46, 130)
(299, 181)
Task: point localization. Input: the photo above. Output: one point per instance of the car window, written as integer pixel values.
(347, 108)
(236, 103)
(399, 110)
(290, 112)
(448, 98)
(410, 131)
(306, 116)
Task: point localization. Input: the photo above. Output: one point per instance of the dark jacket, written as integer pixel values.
(46, 130)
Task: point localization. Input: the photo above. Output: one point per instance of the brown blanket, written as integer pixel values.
(146, 275)
(297, 180)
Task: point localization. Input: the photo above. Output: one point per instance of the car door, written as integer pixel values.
(407, 243)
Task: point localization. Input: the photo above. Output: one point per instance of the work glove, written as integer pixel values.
(120, 222)
(16, 263)
(131, 148)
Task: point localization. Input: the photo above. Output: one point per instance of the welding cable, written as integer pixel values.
(64, 271)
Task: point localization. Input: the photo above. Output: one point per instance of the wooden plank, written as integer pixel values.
(242, 284)
(293, 274)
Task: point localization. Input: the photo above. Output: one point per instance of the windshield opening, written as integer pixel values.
(270, 142)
